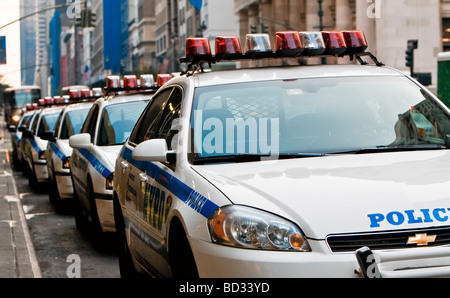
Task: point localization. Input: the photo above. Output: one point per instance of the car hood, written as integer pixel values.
(343, 194)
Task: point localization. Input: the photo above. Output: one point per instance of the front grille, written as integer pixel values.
(385, 240)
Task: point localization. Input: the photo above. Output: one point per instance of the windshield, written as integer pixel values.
(23, 97)
(118, 121)
(314, 117)
(72, 123)
(48, 122)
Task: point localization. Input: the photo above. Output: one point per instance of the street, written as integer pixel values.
(61, 250)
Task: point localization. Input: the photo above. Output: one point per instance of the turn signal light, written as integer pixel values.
(228, 47)
(288, 44)
(334, 43)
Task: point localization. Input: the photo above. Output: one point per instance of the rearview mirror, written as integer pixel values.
(80, 141)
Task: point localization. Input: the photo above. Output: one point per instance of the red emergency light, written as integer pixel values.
(74, 94)
(288, 44)
(161, 79)
(130, 82)
(198, 48)
(356, 42)
(334, 43)
(85, 93)
(113, 82)
(228, 47)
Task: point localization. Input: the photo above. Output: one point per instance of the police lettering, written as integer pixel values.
(156, 205)
(396, 218)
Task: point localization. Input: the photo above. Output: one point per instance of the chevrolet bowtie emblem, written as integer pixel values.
(421, 239)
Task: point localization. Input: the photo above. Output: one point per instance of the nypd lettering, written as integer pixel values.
(397, 218)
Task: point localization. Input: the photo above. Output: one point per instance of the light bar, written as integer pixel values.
(334, 43)
(356, 42)
(291, 44)
(313, 43)
(198, 48)
(228, 47)
(161, 79)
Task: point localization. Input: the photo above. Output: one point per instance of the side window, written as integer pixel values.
(166, 126)
(91, 120)
(148, 116)
(35, 122)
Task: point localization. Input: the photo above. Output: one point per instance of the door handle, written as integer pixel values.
(144, 179)
(124, 166)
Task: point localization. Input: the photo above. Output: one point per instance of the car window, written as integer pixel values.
(117, 122)
(149, 115)
(48, 121)
(91, 120)
(72, 123)
(319, 116)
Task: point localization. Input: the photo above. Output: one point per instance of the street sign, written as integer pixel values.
(2, 49)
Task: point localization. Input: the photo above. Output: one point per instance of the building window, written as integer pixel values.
(446, 34)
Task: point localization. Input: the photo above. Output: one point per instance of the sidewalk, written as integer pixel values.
(17, 255)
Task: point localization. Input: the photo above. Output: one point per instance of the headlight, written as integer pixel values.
(110, 181)
(246, 227)
(16, 118)
(66, 163)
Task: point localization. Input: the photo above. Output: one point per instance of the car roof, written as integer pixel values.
(210, 78)
(121, 98)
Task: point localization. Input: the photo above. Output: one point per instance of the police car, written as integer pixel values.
(16, 135)
(289, 171)
(33, 147)
(58, 151)
(107, 126)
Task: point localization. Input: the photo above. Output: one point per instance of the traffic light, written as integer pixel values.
(92, 17)
(264, 28)
(87, 18)
(412, 45)
(253, 29)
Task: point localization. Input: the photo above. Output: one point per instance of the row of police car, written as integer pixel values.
(281, 171)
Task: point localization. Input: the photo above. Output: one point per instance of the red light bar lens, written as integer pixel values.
(288, 43)
(162, 79)
(58, 100)
(85, 93)
(356, 42)
(41, 102)
(130, 81)
(197, 48)
(334, 43)
(228, 47)
(74, 94)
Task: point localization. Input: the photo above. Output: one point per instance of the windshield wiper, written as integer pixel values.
(239, 158)
(392, 149)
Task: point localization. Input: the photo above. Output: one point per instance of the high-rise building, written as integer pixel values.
(27, 41)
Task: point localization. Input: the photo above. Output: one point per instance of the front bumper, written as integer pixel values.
(221, 261)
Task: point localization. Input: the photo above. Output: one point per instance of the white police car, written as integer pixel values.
(16, 136)
(290, 171)
(34, 148)
(58, 151)
(107, 126)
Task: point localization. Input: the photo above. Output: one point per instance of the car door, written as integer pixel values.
(147, 200)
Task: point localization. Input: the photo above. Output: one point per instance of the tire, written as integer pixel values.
(181, 259)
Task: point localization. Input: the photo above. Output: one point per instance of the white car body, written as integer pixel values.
(329, 198)
(16, 136)
(58, 150)
(35, 147)
(92, 164)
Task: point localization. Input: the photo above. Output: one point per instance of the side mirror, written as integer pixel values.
(152, 150)
(80, 141)
(48, 135)
(27, 134)
(22, 128)
(12, 128)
